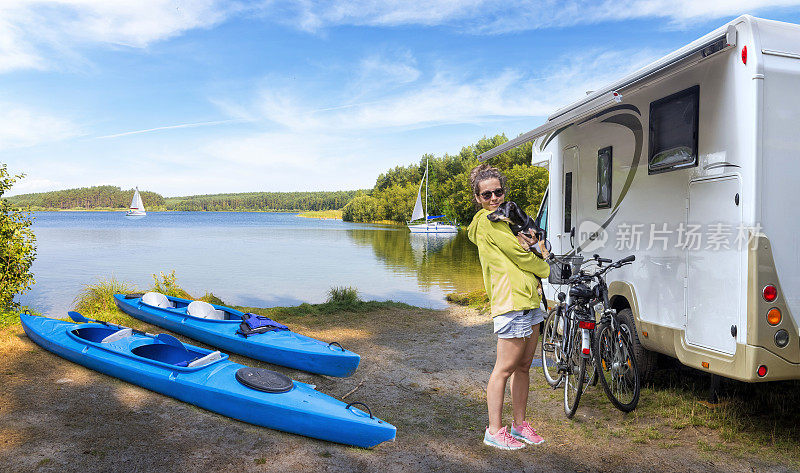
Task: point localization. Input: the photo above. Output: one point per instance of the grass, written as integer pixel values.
(477, 299)
(99, 297)
(333, 214)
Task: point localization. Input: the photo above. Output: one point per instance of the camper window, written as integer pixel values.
(673, 131)
(541, 217)
(604, 178)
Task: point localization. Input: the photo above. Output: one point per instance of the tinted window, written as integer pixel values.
(541, 218)
(604, 178)
(568, 202)
(673, 131)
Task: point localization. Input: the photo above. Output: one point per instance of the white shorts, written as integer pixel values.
(518, 323)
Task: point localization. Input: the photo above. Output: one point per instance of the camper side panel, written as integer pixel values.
(780, 166)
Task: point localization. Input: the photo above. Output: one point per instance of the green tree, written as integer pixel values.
(17, 247)
(363, 208)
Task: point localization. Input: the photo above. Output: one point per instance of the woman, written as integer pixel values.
(508, 275)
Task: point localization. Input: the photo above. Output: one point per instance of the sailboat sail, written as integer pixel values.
(137, 206)
(136, 202)
(418, 212)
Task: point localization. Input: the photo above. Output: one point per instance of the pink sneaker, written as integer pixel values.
(526, 433)
(502, 440)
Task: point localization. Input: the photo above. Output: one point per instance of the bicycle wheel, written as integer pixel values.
(552, 346)
(575, 375)
(616, 365)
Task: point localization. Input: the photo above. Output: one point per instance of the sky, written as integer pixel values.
(186, 97)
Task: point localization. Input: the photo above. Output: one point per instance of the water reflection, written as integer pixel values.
(247, 258)
(448, 261)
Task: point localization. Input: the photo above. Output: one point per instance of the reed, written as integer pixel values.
(99, 297)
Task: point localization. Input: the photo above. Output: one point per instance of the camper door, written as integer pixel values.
(570, 187)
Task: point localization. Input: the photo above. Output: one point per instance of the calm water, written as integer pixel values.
(254, 259)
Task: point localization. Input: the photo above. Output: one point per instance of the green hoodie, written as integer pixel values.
(508, 269)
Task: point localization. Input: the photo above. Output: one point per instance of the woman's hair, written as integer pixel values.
(483, 172)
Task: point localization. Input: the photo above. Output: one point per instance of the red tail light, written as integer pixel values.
(762, 371)
(770, 293)
(586, 324)
(586, 351)
(744, 55)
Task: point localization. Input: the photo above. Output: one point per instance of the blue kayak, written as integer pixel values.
(217, 326)
(207, 379)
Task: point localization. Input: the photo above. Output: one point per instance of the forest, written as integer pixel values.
(395, 191)
(111, 197)
(84, 198)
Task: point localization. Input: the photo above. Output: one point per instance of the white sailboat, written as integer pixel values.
(427, 226)
(137, 206)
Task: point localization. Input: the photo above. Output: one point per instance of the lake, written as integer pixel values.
(246, 258)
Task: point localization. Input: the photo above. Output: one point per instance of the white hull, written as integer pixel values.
(135, 213)
(432, 228)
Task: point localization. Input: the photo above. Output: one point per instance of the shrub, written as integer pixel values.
(17, 247)
(167, 284)
(99, 297)
(343, 295)
(211, 299)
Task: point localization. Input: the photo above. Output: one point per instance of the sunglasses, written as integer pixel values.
(488, 194)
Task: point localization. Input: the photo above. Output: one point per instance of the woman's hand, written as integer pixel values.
(525, 241)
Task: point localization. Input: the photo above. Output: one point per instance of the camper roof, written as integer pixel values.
(719, 40)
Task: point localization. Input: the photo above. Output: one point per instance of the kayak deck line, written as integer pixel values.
(280, 347)
(300, 409)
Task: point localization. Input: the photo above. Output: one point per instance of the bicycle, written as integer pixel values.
(567, 342)
(609, 354)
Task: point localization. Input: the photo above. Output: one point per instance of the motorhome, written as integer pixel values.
(692, 164)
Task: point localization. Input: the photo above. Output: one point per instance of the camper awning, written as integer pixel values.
(719, 40)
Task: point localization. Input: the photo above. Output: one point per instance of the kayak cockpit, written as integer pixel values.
(178, 356)
(94, 334)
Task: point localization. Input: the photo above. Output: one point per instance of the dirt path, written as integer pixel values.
(424, 371)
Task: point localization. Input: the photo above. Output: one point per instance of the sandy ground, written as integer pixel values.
(424, 371)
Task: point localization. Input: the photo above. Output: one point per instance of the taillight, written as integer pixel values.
(588, 325)
(774, 316)
(762, 371)
(770, 293)
(744, 55)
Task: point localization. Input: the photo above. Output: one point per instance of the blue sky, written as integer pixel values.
(196, 97)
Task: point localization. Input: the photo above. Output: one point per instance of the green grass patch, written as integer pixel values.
(332, 214)
(99, 297)
(476, 299)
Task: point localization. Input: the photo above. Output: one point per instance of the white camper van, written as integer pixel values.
(692, 164)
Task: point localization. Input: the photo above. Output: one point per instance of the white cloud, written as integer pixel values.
(22, 127)
(447, 97)
(38, 33)
(498, 16)
(29, 186)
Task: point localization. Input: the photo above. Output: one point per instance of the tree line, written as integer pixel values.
(391, 198)
(97, 197)
(395, 191)
(262, 201)
(111, 197)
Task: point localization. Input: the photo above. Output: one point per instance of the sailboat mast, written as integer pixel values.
(426, 192)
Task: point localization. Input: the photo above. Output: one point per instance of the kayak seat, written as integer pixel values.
(158, 300)
(118, 335)
(204, 310)
(210, 358)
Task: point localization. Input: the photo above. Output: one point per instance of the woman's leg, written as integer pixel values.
(520, 379)
(509, 351)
